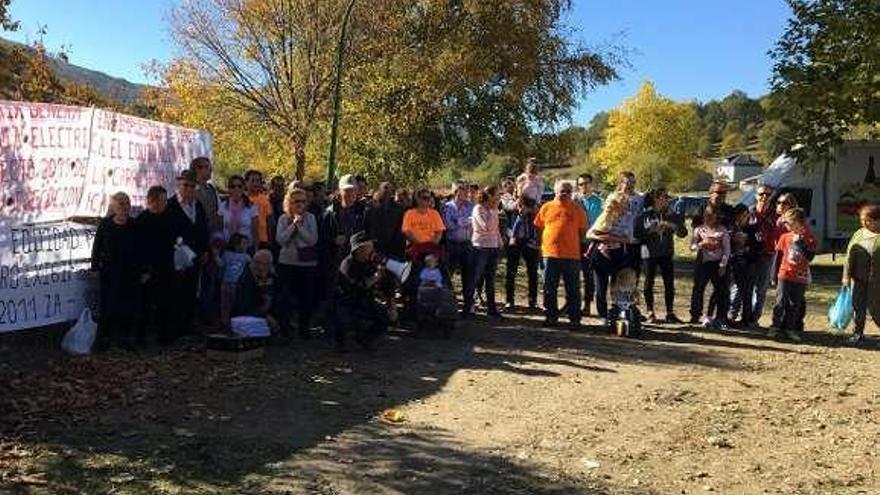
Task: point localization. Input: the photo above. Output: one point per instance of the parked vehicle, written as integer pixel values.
(689, 206)
(830, 193)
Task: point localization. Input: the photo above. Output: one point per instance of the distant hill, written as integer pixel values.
(112, 88)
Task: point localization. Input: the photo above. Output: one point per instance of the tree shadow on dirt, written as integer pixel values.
(689, 336)
(216, 427)
(370, 458)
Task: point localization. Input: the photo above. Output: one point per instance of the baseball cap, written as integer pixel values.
(347, 181)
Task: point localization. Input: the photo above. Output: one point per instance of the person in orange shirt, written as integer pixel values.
(258, 196)
(423, 223)
(563, 225)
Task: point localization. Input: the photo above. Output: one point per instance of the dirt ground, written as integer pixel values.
(504, 407)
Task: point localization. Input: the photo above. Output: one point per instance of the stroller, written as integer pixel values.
(624, 318)
(435, 306)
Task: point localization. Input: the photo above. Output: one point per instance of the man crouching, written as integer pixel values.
(358, 306)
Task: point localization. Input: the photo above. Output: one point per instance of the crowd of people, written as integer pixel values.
(321, 256)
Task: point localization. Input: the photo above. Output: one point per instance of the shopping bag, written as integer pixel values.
(184, 257)
(841, 311)
(80, 338)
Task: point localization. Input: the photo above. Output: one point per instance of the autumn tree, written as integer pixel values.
(654, 137)
(443, 80)
(425, 83)
(825, 71)
(270, 58)
(240, 141)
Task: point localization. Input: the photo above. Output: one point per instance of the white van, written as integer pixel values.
(830, 193)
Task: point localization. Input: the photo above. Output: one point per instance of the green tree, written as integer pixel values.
(653, 136)
(825, 71)
(741, 109)
(734, 142)
(713, 119)
(774, 138)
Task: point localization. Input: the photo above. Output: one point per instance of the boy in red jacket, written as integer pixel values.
(795, 249)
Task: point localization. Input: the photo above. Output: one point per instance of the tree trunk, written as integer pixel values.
(299, 154)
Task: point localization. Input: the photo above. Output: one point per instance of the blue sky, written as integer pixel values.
(691, 49)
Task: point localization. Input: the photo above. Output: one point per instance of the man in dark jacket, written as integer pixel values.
(655, 229)
(190, 226)
(384, 219)
(156, 236)
(358, 308)
(342, 219)
(718, 200)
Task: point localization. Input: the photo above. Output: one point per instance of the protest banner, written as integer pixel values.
(59, 162)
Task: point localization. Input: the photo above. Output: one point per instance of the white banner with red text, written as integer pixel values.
(60, 162)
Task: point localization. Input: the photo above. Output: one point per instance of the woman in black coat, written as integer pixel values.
(116, 259)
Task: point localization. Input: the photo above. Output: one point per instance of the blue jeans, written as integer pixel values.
(460, 257)
(485, 267)
(762, 270)
(570, 271)
(606, 268)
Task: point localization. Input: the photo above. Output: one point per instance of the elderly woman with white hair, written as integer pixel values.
(117, 259)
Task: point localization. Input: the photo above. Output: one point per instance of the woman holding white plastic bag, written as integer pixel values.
(116, 258)
(862, 270)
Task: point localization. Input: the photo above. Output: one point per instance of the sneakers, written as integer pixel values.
(509, 307)
(671, 318)
(652, 318)
(856, 338)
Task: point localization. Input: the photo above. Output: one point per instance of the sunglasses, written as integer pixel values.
(763, 194)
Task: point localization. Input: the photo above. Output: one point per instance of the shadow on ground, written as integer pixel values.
(302, 420)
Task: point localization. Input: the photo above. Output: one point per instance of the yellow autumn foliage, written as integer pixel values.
(655, 137)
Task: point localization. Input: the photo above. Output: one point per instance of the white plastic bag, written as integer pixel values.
(183, 256)
(249, 326)
(80, 338)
